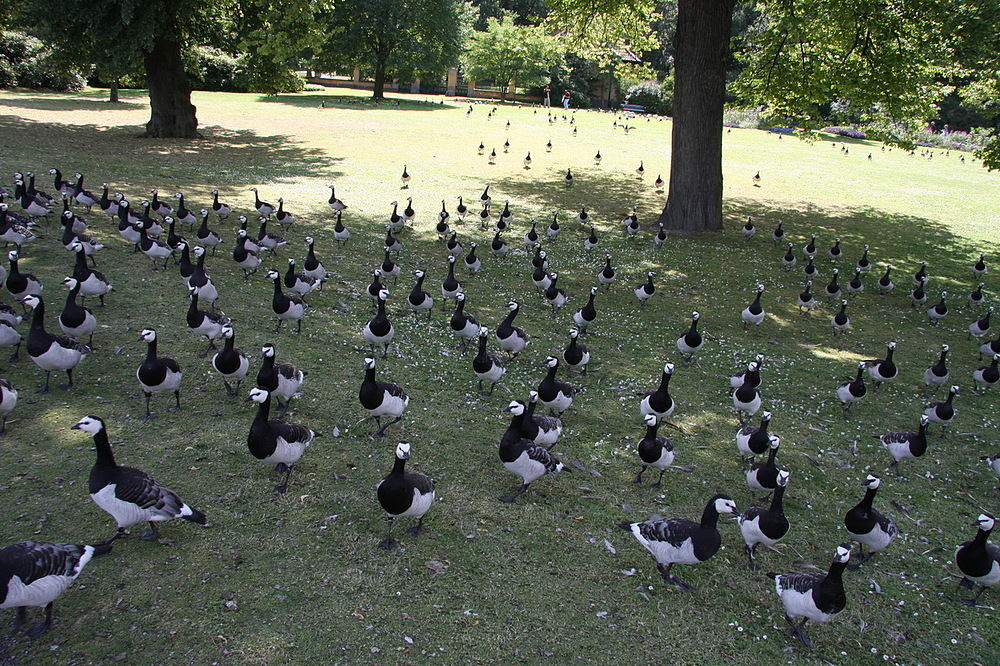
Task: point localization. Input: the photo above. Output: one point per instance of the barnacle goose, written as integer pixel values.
(754, 440)
(976, 296)
(263, 208)
(939, 310)
(681, 541)
(691, 342)
(576, 354)
(403, 493)
(381, 399)
(418, 299)
(850, 392)
(286, 306)
(51, 352)
(13, 231)
(661, 235)
(905, 445)
(540, 277)
(591, 241)
(979, 560)
(153, 249)
(779, 233)
(75, 320)
(221, 210)
(200, 280)
(158, 206)
(205, 236)
(552, 393)
(765, 525)
(919, 295)
(512, 338)
(746, 398)
(993, 461)
(379, 331)
(542, 429)
(788, 260)
(36, 573)
(568, 179)
(158, 374)
(453, 245)
(812, 596)
(885, 283)
(942, 411)
(840, 321)
(810, 270)
(654, 450)
(230, 362)
(920, 277)
(207, 324)
(498, 247)
(864, 264)
(281, 380)
(312, 266)
(832, 289)
(521, 456)
(465, 326)
(763, 476)
(375, 287)
(300, 283)
(754, 313)
(835, 253)
(659, 402)
(749, 230)
(988, 375)
(809, 249)
(182, 214)
(130, 495)
(21, 284)
(553, 229)
(276, 441)
(408, 212)
(268, 240)
(487, 366)
(979, 268)
(979, 328)
(341, 234)
(856, 285)
(631, 221)
(8, 401)
(472, 262)
(645, 291)
(450, 287)
(869, 526)
(938, 374)
(607, 274)
(555, 295)
(586, 315)
(806, 301)
(884, 370)
(282, 216)
(461, 209)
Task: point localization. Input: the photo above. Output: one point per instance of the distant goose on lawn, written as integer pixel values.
(661, 235)
(512, 339)
(778, 234)
(419, 300)
(8, 401)
(51, 352)
(205, 236)
(754, 440)
(754, 313)
(130, 495)
(765, 525)
(691, 342)
(454, 246)
(207, 324)
(851, 392)
(487, 366)
(300, 283)
(993, 461)
(403, 493)
(884, 370)
(379, 331)
(939, 310)
(286, 306)
(465, 326)
(246, 258)
(885, 283)
(681, 541)
(552, 393)
(531, 237)
(36, 573)
(979, 560)
(312, 266)
(810, 270)
(281, 380)
(920, 277)
(809, 249)
(979, 328)
(654, 450)
(75, 320)
(553, 230)
(835, 253)
(263, 207)
(450, 286)
(869, 526)
(158, 374)
(524, 458)
(542, 429)
(230, 362)
(631, 222)
(221, 210)
(498, 247)
(763, 476)
(442, 226)
(746, 398)
(576, 355)
(840, 321)
(864, 264)
(341, 234)
(472, 262)
(942, 411)
(591, 241)
(586, 315)
(645, 291)
(555, 295)
(276, 441)
(832, 289)
(607, 274)
(985, 376)
(381, 399)
(856, 285)
(979, 268)
(806, 301)
(813, 596)
(788, 260)
(182, 214)
(21, 284)
(905, 445)
(748, 230)
(282, 216)
(659, 402)
(938, 374)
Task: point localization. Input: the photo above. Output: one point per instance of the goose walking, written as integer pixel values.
(542, 429)
(419, 300)
(51, 352)
(811, 596)
(300, 283)
(979, 560)
(988, 375)
(765, 525)
(21, 284)
(379, 331)
(680, 540)
(555, 394)
(840, 321)
(645, 291)
(286, 306)
(313, 267)
(130, 495)
(487, 366)
(8, 401)
(869, 526)
(75, 320)
(576, 355)
(586, 315)
(274, 440)
(906, 445)
(754, 313)
(465, 326)
(523, 457)
(221, 210)
(263, 207)
(883, 370)
(512, 339)
(608, 274)
(404, 494)
(281, 380)
(450, 286)
(158, 374)
(942, 411)
(381, 399)
(654, 450)
(938, 374)
(659, 402)
(207, 324)
(230, 362)
(754, 440)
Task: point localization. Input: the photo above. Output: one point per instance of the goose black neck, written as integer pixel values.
(151, 350)
(105, 458)
(665, 381)
(38, 315)
(263, 410)
(710, 516)
(868, 499)
(398, 467)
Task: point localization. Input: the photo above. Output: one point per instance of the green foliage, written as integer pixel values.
(511, 54)
(27, 62)
(211, 69)
(656, 97)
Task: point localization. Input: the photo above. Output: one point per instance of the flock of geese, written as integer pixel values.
(36, 573)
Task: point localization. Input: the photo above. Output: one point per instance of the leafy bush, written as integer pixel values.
(28, 62)
(744, 118)
(845, 131)
(211, 69)
(977, 139)
(656, 97)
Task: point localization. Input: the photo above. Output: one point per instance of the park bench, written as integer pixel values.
(633, 108)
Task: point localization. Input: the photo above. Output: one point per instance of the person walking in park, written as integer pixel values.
(548, 99)
(566, 100)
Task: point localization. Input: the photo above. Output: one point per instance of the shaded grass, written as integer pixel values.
(533, 580)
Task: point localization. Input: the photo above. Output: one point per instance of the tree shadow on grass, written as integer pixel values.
(115, 152)
(96, 100)
(354, 102)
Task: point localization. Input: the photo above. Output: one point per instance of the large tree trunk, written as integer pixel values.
(378, 92)
(694, 201)
(172, 114)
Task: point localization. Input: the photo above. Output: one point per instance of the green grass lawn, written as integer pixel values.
(299, 578)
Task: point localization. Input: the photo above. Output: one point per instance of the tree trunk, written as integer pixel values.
(113, 93)
(694, 201)
(172, 114)
(378, 92)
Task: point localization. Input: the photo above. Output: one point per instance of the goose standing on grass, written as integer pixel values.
(832, 289)
(576, 354)
(568, 178)
(199, 279)
(942, 411)
(419, 300)
(885, 283)
(230, 362)
(586, 315)
(607, 274)
(8, 401)
(13, 231)
(788, 260)
(472, 262)
(979, 560)
(993, 461)
(221, 210)
(681, 541)
(540, 277)
(312, 266)
(522, 456)
(763, 476)
(591, 241)
(691, 342)
(268, 240)
(207, 324)
(754, 440)
(408, 212)
(979, 328)
(765, 525)
(154, 249)
(531, 238)
(856, 285)
(883, 370)
(512, 339)
(454, 246)
(542, 429)
(281, 380)
(850, 392)
(158, 374)
(341, 234)
(979, 268)
(131, 496)
(75, 320)
(645, 291)
(487, 366)
(126, 228)
(450, 286)
(754, 313)
(748, 230)
(938, 374)
(840, 321)
(83, 196)
(835, 252)
(274, 440)
(810, 270)
(403, 493)
(498, 247)
(806, 301)
(555, 295)
(182, 214)
(812, 596)
(809, 249)
(21, 284)
(300, 283)
(654, 450)
(778, 234)
(375, 287)
(442, 226)
(207, 237)
(286, 306)
(746, 398)
(553, 229)
(988, 375)
(631, 221)
(405, 177)
(36, 573)
(282, 216)
(463, 325)
(864, 263)
(392, 244)
(51, 352)
(869, 526)
(939, 310)
(30, 205)
(555, 394)
(263, 207)
(335, 204)
(158, 206)
(379, 331)
(661, 235)
(381, 399)
(461, 209)
(905, 445)
(659, 402)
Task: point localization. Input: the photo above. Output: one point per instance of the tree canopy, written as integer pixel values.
(511, 54)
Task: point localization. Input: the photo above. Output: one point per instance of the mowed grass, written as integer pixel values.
(298, 578)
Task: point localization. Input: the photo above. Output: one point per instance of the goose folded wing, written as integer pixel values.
(541, 455)
(674, 531)
(141, 489)
(393, 389)
(288, 371)
(421, 482)
(290, 432)
(800, 582)
(887, 525)
(67, 342)
(33, 560)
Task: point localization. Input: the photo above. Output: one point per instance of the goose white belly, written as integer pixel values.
(899, 450)
(548, 437)
(287, 388)
(171, 382)
(666, 552)
(294, 311)
(493, 374)
(752, 534)
(420, 504)
(876, 540)
(526, 467)
(286, 452)
(513, 343)
(801, 604)
(9, 336)
(646, 408)
(559, 403)
(391, 405)
(127, 514)
(665, 460)
(57, 357)
(470, 330)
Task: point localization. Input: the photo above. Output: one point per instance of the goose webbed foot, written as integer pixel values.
(798, 633)
(152, 535)
(510, 498)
